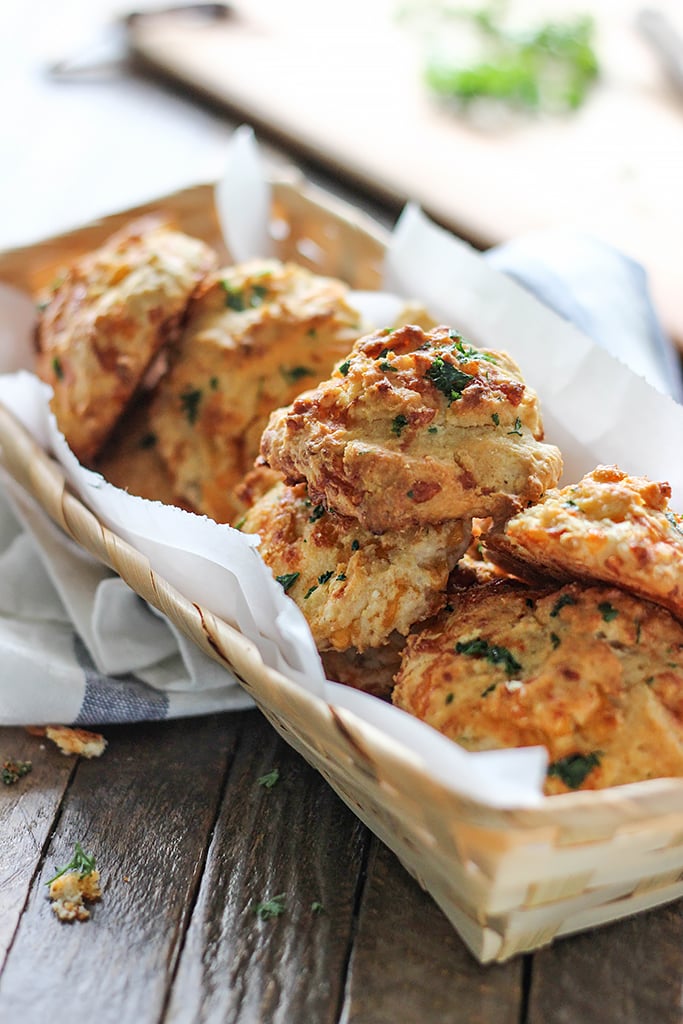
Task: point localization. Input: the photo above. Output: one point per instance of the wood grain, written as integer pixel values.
(409, 965)
(296, 839)
(27, 812)
(630, 972)
(145, 810)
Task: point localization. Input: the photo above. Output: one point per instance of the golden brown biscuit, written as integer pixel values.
(102, 326)
(130, 459)
(610, 527)
(592, 673)
(413, 428)
(355, 588)
(257, 334)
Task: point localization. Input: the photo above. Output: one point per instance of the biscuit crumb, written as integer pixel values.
(70, 892)
(74, 741)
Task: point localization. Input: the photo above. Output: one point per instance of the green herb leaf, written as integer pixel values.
(13, 770)
(496, 419)
(57, 368)
(189, 402)
(287, 579)
(147, 441)
(494, 653)
(326, 576)
(81, 862)
(387, 367)
(555, 640)
(355, 545)
(607, 611)
(270, 778)
(317, 512)
(317, 907)
(400, 422)
(311, 590)
(562, 602)
(295, 373)
(344, 367)
(575, 768)
(517, 429)
(448, 379)
(274, 907)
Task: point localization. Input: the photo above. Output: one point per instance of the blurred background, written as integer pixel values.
(582, 125)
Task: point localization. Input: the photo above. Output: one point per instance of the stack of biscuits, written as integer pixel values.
(406, 500)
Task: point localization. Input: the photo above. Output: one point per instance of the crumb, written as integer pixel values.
(70, 892)
(13, 770)
(76, 741)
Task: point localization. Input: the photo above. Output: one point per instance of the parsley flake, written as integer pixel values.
(344, 367)
(147, 441)
(494, 653)
(448, 379)
(317, 512)
(189, 401)
(57, 368)
(400, 423)
(274, 907)
(562, 602)
(555, 640)
(488, 690)
(387, 367)
(311, 590)
(496, 419)
(517, 429)
(317, 907)
(607, 611)
(295, 373)
(81, 862)
(287, 579)
(270, 778)
(575, 768)
(432, 430)
(355, 545)
(325, 577)
(449, 698)
(13, 770)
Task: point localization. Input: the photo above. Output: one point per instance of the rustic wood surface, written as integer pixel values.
(189, 843)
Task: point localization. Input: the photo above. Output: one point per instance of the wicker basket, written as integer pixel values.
(508, 880)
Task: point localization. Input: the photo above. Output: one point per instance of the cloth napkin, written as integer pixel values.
(77, 646)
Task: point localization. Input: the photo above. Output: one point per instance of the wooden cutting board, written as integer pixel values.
(344, 85)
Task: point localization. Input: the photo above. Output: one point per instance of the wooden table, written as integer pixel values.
(188, 843)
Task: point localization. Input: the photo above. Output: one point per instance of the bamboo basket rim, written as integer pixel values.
(42, 476)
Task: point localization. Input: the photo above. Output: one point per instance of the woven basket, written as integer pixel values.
(508, 880)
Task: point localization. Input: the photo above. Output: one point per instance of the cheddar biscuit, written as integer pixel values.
(257, 334)
(416, 428)
(592, 673)
(355, 588)
(106, 320)
(610, 527)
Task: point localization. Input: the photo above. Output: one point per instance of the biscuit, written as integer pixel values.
(106, 320)
(372, 670)
(415, 428)
(590, 672)
(355, 588)
(610, 527)
(256, 335)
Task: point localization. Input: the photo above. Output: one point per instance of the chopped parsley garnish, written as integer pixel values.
(575, 768)
(410, 494)
(561, 603)
(488, 690)
(387, 367)
(355, 545)
(270, 778)
(287, 579)
(555, 640)
(189, 401)
(494, 653)
(400, 423)
(317, 907)
(496, 419)
(317, 512)
(240, 523)
(81, 862)
(295, 373)
(57, 368)
(213, 383)
(432, 430)
(450, 698)
(239, 299)
(13, 770)
(341, 576)
(517, 429)
(607, 611)
(569, 504)
(344, 367)
(674, 520)
(448, 379)
(311, 590)
(273, 907)
(325, 577)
